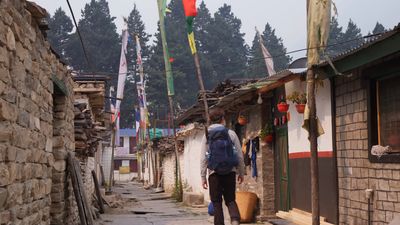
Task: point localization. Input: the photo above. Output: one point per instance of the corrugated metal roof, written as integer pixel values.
(368, 42)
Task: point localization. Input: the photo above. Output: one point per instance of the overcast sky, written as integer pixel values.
(286, 16)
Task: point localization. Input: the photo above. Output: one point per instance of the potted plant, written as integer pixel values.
(300, 99)
(282, 105)
(242, 120)
(266, 133)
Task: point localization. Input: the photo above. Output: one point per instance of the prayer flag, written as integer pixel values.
(269, 63)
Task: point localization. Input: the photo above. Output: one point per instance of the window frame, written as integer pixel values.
(373, 123)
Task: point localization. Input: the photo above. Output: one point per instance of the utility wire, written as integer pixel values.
(274, 56)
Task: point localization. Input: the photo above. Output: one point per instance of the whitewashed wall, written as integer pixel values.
(298, 137)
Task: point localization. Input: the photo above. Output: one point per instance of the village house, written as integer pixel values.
(277, 169)
(365, 90)
(125, 155)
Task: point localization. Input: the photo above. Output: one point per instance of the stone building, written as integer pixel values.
(366, 101)
(36, 122)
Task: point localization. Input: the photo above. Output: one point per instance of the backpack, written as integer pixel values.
(222, 154)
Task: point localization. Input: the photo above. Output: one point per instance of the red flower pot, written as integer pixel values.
(242, 120)
(269, 138)
(300, 108)
(283, 107)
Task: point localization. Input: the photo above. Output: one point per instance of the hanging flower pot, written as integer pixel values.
(268, 139)
(300, 108)
(242, 120)
(283, 107)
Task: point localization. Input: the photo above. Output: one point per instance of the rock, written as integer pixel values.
(21, 156)
(8, 111)
(49, 145)
(192, 198)
(4, 57)
(5, 135)
(23, 119)
(10, 40)
(15, 192)
(3, 197)
(4, 175)
(60, 165)
(11, 154)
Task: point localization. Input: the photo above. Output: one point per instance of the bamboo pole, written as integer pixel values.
(170, 87)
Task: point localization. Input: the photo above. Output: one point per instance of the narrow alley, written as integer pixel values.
(137, 206)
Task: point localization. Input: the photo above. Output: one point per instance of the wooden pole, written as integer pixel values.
(111, 178)
(202, 90)
(313, 136)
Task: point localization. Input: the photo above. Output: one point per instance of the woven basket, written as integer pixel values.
(246, 202)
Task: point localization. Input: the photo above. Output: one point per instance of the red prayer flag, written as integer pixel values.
(190, 7)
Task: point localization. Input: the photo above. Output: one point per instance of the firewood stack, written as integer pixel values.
(166, 145)
(87, 131)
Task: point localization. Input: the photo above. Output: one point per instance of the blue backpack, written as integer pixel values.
(222, 154)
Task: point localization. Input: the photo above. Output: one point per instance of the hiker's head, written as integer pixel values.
(217, 115)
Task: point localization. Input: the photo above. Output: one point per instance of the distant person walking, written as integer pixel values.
(222, 156)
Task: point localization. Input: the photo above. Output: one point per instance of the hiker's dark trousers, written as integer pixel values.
(223, 185)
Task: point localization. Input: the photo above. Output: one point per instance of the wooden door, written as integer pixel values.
(283, 164)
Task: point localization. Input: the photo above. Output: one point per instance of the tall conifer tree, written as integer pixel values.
(59, 34)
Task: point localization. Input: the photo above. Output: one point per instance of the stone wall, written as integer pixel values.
(355, 172)
(168, 166)
(36, 124)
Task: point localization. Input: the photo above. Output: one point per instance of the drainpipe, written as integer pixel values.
(369, 194)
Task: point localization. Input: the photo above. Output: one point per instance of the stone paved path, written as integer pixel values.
(143, 207)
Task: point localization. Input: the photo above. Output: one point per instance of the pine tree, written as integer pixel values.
(379, 28)
(100, 38)
(335, 36)
(60, 28)
(135, 27)
(202, 25)
(352, 36)
(257, 67)
(228, 51)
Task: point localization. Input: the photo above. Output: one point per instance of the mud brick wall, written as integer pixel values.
(36, 124)
(356, 173)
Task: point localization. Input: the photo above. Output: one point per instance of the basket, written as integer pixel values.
(246, 202)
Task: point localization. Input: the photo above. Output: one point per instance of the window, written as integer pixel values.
(384, 116)
(121, 141)
(388, 94)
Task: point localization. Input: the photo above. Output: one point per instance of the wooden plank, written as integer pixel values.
(75, 186)
(83, 197)
(84, 90)
(98, 194)
(103, 179)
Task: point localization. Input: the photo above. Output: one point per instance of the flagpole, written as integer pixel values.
(110, 181)
(170, 87)
(190, 13)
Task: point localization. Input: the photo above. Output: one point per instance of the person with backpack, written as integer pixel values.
(222, 157)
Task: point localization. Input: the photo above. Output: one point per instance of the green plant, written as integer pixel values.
(297, 97)
(282, 100)
(266, 130)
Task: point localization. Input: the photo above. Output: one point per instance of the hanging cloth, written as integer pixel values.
(246, 157)
(254, 147)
